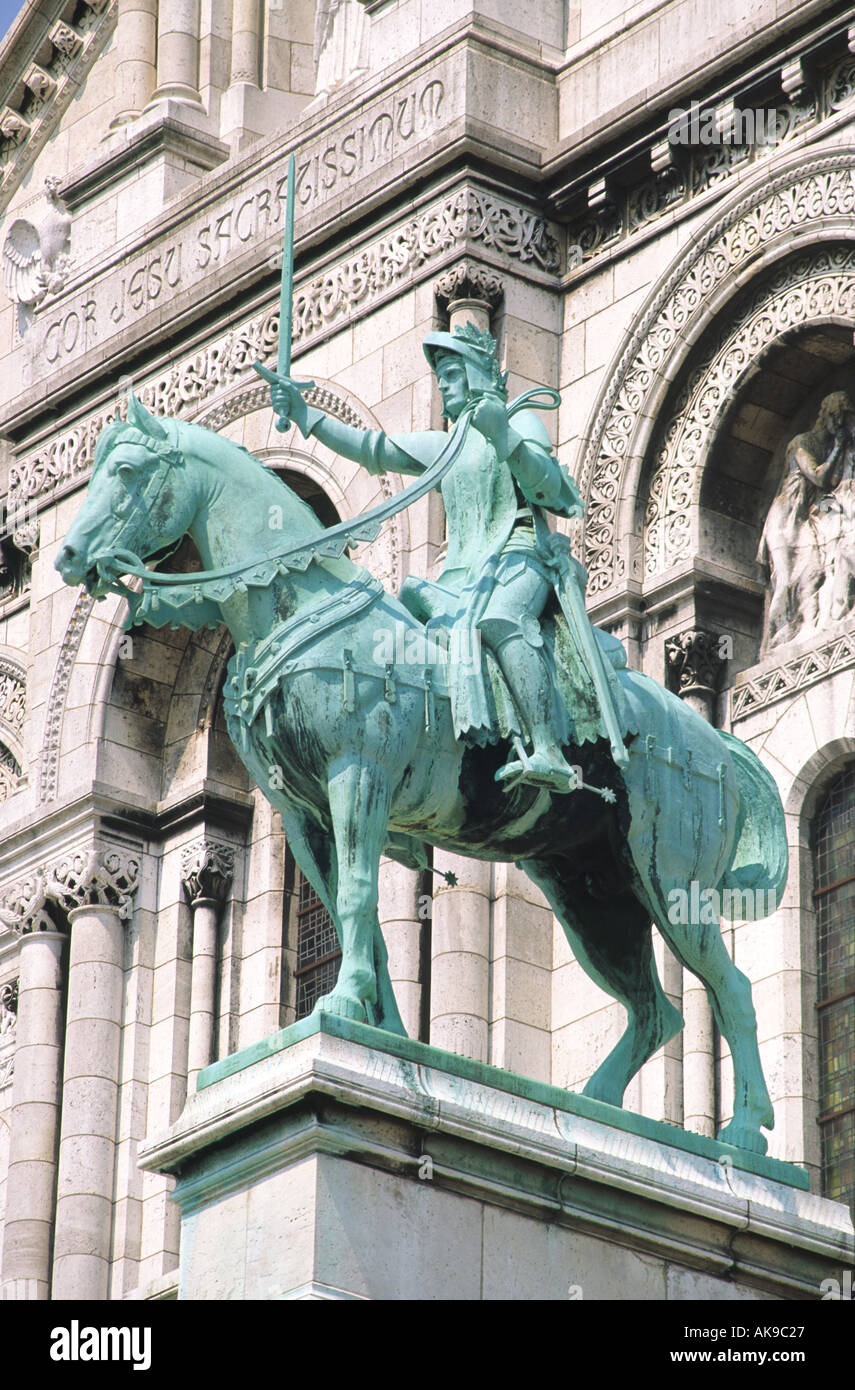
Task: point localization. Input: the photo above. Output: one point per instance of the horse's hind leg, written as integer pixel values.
(359, 799)
(700, 949)
(612, 941)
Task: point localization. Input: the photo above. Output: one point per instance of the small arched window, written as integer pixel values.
(834, 899)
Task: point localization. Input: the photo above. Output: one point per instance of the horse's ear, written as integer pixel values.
(140, 418)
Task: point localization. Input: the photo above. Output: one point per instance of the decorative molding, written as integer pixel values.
(673, 318)
(100, 875)
(51, 80)
(348, 288)
(10, 773)
(694, 664)
(754, 692)
(469, 280)
(681, 174)
(213, 681)
(13, 695)
(49, 767)
(207, 870)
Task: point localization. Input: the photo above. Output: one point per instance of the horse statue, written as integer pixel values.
(357, 751)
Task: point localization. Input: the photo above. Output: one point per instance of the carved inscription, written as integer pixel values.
(468, 215)
(229, 228)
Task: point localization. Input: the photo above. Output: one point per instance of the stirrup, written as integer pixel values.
(522, 770)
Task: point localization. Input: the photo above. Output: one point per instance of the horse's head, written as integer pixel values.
(139, 500)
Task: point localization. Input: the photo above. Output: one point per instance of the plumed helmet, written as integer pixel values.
(478, 352)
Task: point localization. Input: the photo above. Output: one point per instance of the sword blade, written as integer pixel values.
(286, 291)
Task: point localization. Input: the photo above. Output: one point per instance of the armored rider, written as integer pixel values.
(496, 579)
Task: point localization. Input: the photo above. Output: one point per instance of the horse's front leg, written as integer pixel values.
(359, 801)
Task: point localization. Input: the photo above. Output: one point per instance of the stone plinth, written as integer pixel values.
(333, 1161)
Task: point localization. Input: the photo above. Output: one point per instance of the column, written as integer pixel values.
(178, 52)
(100, 883)
(461, 928)
(398, 909)
(207, 869)
(246, 21)
(36, 1091)
(460, 965)
(136, 46)
(694, 668)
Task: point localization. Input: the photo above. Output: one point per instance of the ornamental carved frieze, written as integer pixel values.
(682, 173)
(207, 870)
(13, 695)
(810, 287)
(49, 82)
(779, 682)
(10, 773)
(348, 289)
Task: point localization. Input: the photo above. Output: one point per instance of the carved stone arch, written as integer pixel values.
(807, 290)
(13, 705)
(350, 489)
(195, 741)
(808, 199)
(10, 773)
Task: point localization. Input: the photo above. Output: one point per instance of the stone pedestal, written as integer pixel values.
(332, 1161)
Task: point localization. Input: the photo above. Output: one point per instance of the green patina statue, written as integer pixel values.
(500, 566)
(380, 724)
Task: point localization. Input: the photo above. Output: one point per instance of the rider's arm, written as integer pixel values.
(371, 448)
(537, 470)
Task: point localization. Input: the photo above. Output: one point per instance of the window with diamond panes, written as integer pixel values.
(318, 951)
(834, 899)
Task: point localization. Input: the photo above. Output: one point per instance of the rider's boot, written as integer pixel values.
(527, 672)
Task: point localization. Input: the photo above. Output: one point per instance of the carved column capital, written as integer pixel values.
(694, 663)
(26, 537)
(100, 875)
(207, 870)
(469, 281)
(24, 907)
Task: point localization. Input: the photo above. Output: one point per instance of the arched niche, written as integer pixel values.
(755, 379)
(775, 258)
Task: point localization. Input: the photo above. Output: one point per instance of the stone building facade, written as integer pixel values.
(687, 281)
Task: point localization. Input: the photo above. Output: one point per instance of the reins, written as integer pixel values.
(330, 544)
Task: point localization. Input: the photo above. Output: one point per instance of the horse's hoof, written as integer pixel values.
(743, 1136)
(342, 1005)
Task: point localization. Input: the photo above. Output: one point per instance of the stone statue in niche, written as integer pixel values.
(808, 540)
(341, 43)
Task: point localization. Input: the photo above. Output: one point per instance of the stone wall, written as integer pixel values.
(692, 308)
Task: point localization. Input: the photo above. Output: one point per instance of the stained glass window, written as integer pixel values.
(834, 898)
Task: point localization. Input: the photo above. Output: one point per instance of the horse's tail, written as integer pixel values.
(754, 881)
